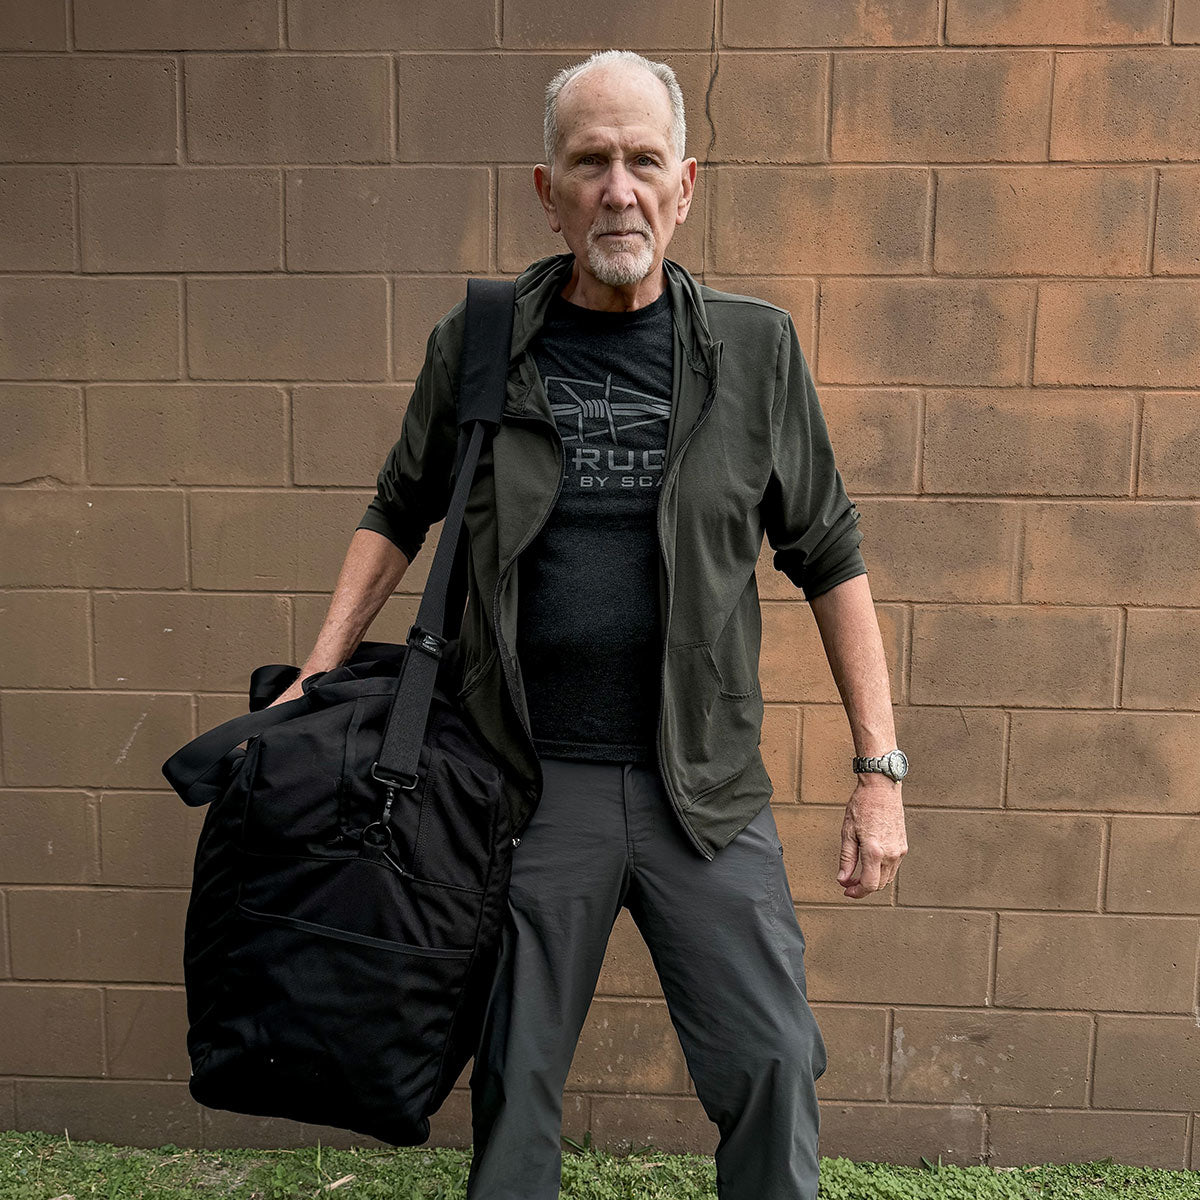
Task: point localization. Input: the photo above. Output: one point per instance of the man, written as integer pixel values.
(654, 430)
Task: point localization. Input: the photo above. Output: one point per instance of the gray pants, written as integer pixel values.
(729, 954)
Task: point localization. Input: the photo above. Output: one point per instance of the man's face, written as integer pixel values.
(615, 170)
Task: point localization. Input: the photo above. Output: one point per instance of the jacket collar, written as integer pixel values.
(538, 283)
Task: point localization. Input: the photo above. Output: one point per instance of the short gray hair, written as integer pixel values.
(678, 130)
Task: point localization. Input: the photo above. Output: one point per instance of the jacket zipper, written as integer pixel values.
(516, 840)
(708, 403)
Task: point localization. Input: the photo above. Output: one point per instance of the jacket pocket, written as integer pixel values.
(476, 672)
(712, 735)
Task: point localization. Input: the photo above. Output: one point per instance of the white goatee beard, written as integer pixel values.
(620, 267)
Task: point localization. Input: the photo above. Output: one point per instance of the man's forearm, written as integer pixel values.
(845, 616)
(370, 574)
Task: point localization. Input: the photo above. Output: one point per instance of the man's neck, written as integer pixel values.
(588, 292)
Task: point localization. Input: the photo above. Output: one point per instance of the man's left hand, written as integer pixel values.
(873, 837)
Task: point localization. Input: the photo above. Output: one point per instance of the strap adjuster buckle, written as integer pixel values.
(427, 642)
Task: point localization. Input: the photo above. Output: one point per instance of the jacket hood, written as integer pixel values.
(538, 283)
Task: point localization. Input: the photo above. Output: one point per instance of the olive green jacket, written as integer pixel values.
(748, 453)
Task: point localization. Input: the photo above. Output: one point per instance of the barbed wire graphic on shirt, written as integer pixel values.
(644, 410)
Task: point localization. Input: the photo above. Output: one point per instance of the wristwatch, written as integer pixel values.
(894, 764)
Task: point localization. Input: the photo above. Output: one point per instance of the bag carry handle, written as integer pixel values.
(482, 386)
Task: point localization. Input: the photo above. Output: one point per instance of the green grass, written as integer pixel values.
(41, 1166)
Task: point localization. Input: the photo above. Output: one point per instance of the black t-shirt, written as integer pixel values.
(588, 635)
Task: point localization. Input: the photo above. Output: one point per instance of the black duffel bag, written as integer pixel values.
(352, 871)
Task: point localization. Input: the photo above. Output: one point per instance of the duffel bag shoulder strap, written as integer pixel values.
(483, 380)
(482, 383)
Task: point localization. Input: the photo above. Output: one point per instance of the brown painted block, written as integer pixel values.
(37, 225)
(956, 754)
(378, 219)
(628, 1046)
(127, 1112)
(1147, 1062)
(1162, 658)
(1135, 333)
(73, 327)
(188, 434)
(811, 23)
(43, 425)
(44, 640)
(795, 294)
(941, 106)
(27, 26)
(1151, 865)
(1129, 762)
(1186, 27)
(856, 1044)
(146, 1033)
(116, 739)
(65, 108)
(924, 331)
(835, 220)
(505, 94)
(769, 108)
(1126, 105)
(1170, 449)
(186, 641)
(271, 541)
(542, 24)
(92, 537)
(1111, 552)
(308, 108)
(180, 219)
(628, 968)
(671, 1124)
(148, 839)
(876, 436)
(103, 934)
(1177, 221)
(781, 750)
(47, 837)
(989, 1057)
(147, 25)
(1077, 22)
(368, 420)
(1101, 961)
(418, 303)
(383, 25)
(50, 1030)
(908, 1135)
(1034, 1135)
(1032, 441)
(793, 665)
(885, 955)
(930, 549)
(287, 326)
(1002, 860)
(1019, 654)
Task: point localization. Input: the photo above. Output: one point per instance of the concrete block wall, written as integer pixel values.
(225, 231)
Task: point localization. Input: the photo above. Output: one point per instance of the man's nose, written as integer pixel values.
(618, 190)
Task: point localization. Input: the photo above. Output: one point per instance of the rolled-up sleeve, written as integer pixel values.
(810, 522)
(414, 485)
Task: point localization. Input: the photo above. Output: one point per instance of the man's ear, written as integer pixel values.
(541, 183)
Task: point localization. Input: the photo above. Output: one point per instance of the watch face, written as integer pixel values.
(898, 762)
